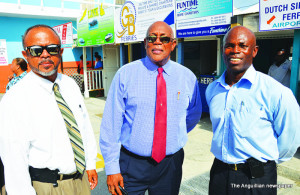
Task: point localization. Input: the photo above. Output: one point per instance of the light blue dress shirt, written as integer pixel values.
(256, 117)
(129, 112)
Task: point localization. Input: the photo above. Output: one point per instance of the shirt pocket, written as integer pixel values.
(248, 121)
(180, 101)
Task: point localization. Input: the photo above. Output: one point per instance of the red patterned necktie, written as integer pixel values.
(160, 125)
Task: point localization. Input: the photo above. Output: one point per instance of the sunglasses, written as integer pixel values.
(37, 50)
(164, 40)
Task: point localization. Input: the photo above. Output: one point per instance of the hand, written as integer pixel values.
(93, 178)
(10, 77)
(113, 182)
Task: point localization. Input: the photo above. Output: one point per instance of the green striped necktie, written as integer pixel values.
(73, 131)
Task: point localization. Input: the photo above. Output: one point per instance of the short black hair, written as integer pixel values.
(37, 26)
(22, 63)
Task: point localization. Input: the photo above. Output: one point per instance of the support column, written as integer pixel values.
(180, 52)
(122, 54)
(295, 64)
(222, 66)
(86, 91)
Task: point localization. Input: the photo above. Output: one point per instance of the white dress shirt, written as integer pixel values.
(33, 132)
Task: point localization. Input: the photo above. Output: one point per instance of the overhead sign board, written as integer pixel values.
(279, 15)
(96, 27)
(65, 32)
(134, 17)
(245, 7)
(203, 17)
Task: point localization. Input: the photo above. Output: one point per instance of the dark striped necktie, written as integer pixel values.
(72, 128)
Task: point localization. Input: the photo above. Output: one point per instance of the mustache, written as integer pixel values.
(46, 61)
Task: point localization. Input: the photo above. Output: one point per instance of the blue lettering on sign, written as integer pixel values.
(203, 31)
(277, 8)
(187, 5)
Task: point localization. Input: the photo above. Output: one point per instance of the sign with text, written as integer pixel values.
(96, 27)
(134, 18)
(3, 53)
(203, 17)
(65, 32)
(279, 15)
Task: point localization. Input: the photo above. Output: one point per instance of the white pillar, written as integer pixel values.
(86, 91)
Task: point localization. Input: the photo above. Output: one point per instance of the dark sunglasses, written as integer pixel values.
(164, 40)
(37, 50)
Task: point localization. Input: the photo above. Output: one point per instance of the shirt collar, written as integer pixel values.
(249, 76)
(46, 84)
(153, 67)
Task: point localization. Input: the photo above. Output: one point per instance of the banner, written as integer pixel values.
(203, 17)
(134, 18)
(279, 15)
(96, 27)
(3, 53)
(65, 32)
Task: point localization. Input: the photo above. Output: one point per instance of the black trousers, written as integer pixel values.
(143, 173)
(1, 175)
(226, 181)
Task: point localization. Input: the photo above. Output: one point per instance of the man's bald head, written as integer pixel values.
(159, 43)
(239, 49)
(243, 29)
(160, 23)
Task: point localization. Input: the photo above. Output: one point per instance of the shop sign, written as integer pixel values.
(279, 15)
(96, 27)
(65, 32)
(202, 17)
(134, 17)
(3, 53)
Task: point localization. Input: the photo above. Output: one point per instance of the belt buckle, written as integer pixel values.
(61, 176)
(235, 167)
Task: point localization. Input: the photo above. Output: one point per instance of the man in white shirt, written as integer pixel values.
(37, 143)
(281, 69)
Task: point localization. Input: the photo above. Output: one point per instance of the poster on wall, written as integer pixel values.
(134, 17)
(279, 15)
(96, 27)
(203, 17)
(3, 53)
(65, 32)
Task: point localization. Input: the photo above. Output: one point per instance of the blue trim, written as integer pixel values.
(180, 52)
(203, 31)
(295, 63)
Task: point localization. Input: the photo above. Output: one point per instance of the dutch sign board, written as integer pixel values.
(65, 32)
(203, 17)
(134, 17)
(96, 27)
(279, 15)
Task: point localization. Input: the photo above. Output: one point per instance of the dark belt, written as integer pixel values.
(236, 167)
(123, 149)
(50, 176)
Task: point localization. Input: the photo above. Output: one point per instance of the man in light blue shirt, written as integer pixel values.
(255, 122)
(281, 69)
(127, 128)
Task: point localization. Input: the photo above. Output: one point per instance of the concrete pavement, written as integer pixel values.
(198, 158)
